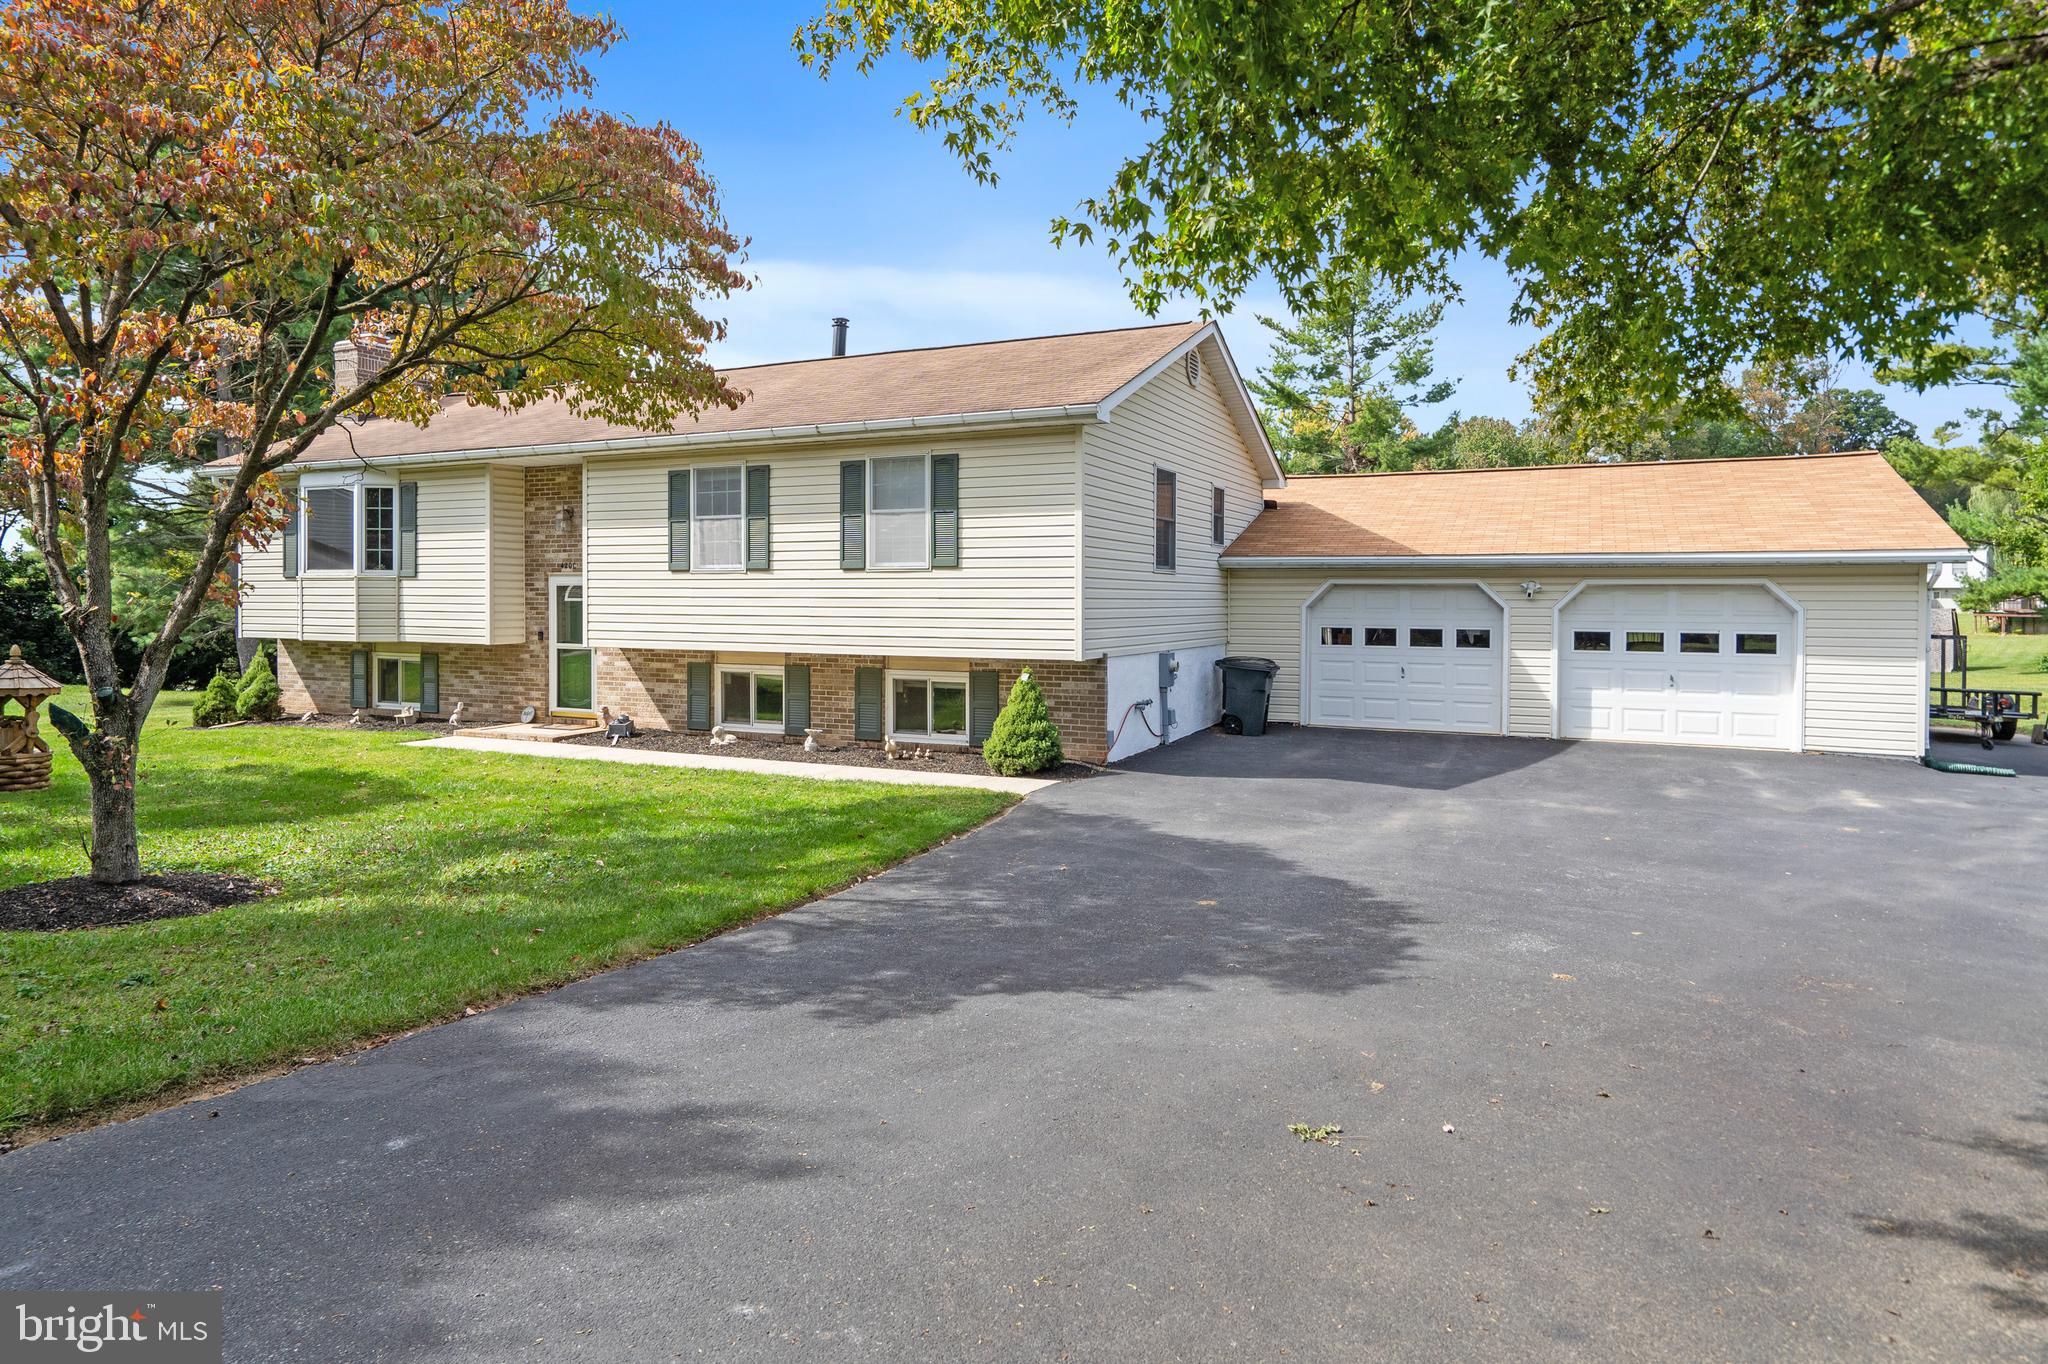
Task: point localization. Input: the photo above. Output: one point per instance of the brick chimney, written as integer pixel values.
(357, 362)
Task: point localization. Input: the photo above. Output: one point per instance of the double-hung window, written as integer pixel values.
(1215, 516)
(899, 501)
(717, 521)
(928, 707)
(750, 700)
(1164, 497)
(380, 530)
(331, 529)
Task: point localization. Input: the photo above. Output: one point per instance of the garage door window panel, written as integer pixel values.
(1381, 637)
(1475, 639)
(1747, 643)
(1426, 639)
(1592, 641)
(1699, 642)
(1337, 636)
(1646, 641)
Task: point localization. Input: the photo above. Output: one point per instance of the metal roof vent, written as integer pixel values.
(1193, 364)
(838, 337)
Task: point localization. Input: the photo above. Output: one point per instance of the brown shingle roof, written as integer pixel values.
(1806, 505)
(992, 376)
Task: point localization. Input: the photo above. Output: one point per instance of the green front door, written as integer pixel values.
(572, 659)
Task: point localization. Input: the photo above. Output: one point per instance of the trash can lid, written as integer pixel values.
(1265, 665)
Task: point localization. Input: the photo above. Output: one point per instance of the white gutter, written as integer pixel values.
(1871, 556)
(656, 444)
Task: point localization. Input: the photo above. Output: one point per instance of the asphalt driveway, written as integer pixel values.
(1637, 1053)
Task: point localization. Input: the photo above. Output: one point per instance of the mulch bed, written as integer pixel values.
(941, 759)
(81, 902)
(428, 729)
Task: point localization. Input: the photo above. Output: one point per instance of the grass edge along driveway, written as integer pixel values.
(414, 884)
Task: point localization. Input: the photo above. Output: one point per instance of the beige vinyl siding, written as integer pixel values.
(449, 602)
(1127, 604)
(1015, 593)
(327, 606)
(507, 503)
(1862, 639)
(269, 606)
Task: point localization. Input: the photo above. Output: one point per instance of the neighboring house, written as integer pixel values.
(876, 545)
(1951, 578)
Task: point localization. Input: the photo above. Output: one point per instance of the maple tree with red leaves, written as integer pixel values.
(198, 199)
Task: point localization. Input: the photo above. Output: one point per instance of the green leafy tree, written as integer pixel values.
(1343, 374)
(1023, 739)
(259, 697)
(197, 200)
(217, 703)
(1679, 188)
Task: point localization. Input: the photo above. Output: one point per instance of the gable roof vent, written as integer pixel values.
(1193, 364)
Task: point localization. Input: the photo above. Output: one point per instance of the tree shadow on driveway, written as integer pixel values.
(1045, 902)
(2013, 1247)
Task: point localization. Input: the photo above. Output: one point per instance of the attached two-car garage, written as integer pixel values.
(1646, 662)
(1766, 604)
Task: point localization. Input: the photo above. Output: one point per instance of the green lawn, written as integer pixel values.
(2004, 662)
(414, 883)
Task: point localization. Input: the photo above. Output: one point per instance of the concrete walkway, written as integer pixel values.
(908, 775)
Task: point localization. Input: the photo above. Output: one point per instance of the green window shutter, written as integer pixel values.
(679, 520)
(698, 713)
(984, 699)
(430, 684)
(757, 518)
(408, 530)
(853, 513)
(945, 511)
(867, 703)
(359, 678)
(291, 537)
(796, 698)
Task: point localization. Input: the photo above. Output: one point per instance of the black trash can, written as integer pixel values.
(1247, 690)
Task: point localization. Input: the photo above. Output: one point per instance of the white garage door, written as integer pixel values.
(1406, 658)
(1679, 665)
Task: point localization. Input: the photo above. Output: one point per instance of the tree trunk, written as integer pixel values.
(109, 762)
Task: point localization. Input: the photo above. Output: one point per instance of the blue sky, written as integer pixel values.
(853, 212)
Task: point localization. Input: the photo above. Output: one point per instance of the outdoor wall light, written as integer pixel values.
(565, 519)
(1530, 589)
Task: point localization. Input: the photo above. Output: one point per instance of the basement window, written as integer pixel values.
(928, 708)
(398, 681)
(750, 700)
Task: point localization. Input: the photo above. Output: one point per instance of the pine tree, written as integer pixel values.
(217, 704)
(260, 698)
(1024, 739)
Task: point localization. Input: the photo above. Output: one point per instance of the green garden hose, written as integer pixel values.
(1973, 769)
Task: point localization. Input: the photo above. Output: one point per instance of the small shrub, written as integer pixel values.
(260, 698)
(217, 703)
(1024, 739)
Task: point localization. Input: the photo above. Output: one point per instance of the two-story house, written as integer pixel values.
(875, 545)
